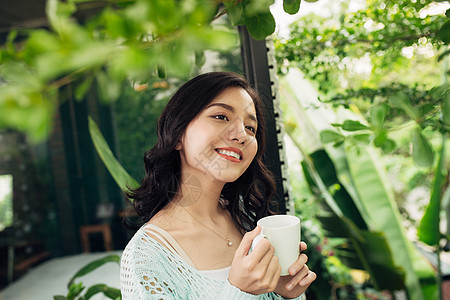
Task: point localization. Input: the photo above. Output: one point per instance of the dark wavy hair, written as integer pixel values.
(247, 198)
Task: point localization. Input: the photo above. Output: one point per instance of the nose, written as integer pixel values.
(237, 132)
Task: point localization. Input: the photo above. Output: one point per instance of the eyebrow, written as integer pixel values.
(231, 108)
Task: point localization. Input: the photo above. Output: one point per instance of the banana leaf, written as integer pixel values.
(428, 231)
(375, 195)
(327, 172)
(315, 116)
(364, 250)
(120, 175)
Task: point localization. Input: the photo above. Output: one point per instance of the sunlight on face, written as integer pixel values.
(220, 142)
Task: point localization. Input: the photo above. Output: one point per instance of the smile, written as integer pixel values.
(232, 154)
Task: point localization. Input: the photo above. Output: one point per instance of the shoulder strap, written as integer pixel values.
(168, 241)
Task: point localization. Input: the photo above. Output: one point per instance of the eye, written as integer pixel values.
(251, 128)
(221, 117)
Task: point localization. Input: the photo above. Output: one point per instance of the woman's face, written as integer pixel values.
(221, 141)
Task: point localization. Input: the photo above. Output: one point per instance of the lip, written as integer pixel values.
(230, 158)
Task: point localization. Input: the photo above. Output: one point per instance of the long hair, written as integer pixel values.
(247, 198)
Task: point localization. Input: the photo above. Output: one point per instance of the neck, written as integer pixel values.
(200, 197)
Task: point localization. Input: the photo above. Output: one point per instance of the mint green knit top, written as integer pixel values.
(151, 271)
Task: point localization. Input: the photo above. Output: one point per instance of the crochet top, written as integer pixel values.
(149, 270)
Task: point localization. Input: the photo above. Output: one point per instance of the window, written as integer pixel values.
(6, 208)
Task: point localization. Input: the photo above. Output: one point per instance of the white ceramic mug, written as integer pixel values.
(283, 232)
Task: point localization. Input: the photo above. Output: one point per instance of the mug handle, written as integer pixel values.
(256, 240)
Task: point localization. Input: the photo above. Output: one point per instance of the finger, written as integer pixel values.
(308, 279)
(264, 256)
(263, 252)
(276, 269)
(298, 264)
(303, 246)
(246, 242)
(299, 277)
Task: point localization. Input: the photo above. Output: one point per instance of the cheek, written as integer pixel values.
(252, 149)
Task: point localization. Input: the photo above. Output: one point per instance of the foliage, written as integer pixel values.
(136, 114)
(388, 34)
(334, 52)
(362, 248)
(6, 204)
(133, 40)
(368, 61)
(120, 175)
(354, 180)
(75, 289)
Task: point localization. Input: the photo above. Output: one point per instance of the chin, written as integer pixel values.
(229, 177)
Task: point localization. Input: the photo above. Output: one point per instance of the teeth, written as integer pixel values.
(229, 153)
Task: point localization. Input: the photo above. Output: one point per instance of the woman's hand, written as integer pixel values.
(293, 285)
(257, 272)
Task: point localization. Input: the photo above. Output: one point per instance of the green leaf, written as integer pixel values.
(344, 201)
(330, 136)
(108, 88)
(213, 39)
(439, 91)
(428, 229)
(351, 125)
(377, 115)
(74, 290)
(375, 194)
(260, 25)
(161, 71)
(235, 10)
(291, 6)
(444, 33)
(380, 138)
(422, 152)
(19, 73)
(443, 54)
(363, 137)
(94, 265)
(388, 146)
(82, 88)
(200, 59)
(57, 12)
(446, 109)
(110, 292)
(256, 7)
(365, 250)
(401, 100)
(122, 178)
(22, 107)
(59, 297)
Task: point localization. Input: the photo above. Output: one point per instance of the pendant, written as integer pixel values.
(230, 243)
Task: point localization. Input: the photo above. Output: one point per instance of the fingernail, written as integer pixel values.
(289, 286)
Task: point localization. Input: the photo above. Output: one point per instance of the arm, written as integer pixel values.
(138, 279)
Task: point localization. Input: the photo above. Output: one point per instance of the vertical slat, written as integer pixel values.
(260, 70)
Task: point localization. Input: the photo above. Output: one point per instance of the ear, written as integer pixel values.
(178, 146)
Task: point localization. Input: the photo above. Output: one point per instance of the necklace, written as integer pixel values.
(229, 242)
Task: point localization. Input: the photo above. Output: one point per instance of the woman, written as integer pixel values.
(204, 190)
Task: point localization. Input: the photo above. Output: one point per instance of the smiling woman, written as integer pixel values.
(206, 183)
(221, 141)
